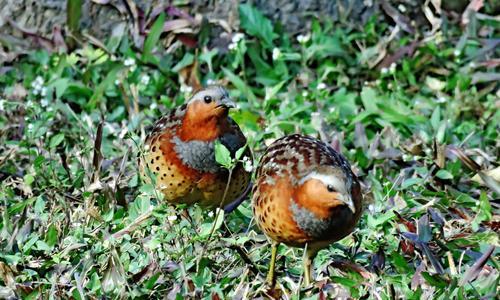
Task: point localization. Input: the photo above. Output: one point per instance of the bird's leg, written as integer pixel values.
(271, 277)
(308, 261)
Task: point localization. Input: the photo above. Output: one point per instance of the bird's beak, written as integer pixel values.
(347, 199)
(227, 103)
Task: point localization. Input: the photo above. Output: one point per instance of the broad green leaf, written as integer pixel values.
(208, 56)
(484, 212)
(434, 280)
(27, 246)
(28, 179)
(441, 131)
(73, 14)
(207, 228)
(186, 60)
(256, 24)
(239, 152)
(370, 99)
(222, 155)
(60, 86)
(41, 245)
(56, 140)
(51, 235)
(411, 181)
(444, 174)
(154, 35)
(436, 118)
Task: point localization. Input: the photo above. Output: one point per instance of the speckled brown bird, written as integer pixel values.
(305, 195)
(179, 152)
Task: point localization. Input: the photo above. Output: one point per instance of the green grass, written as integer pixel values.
(78, 222)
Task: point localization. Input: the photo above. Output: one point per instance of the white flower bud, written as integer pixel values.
(276, 53)
(321, 86)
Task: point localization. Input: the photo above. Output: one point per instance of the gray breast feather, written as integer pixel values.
(332, 227)
(198, 155)
(307, 221)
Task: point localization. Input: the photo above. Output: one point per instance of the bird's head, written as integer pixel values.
(206, 112)
(326, 187)
(212, 101)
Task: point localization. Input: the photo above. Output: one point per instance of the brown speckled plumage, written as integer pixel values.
(305, 193)
(179, 152)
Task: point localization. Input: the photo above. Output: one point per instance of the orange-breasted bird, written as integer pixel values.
(305, 195)
(179, 152)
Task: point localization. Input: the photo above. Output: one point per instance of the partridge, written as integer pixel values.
(305, 195)
(179, 152)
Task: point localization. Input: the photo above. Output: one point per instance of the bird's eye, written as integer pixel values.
(207, 99)
(330, 188)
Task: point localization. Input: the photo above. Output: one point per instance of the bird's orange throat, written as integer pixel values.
(311, 195)
(202, 124)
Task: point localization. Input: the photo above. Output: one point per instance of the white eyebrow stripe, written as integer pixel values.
(336, 182)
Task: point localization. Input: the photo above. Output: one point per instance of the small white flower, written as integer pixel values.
(247, 164)
(402, 8)
(172, 218)
(2, 103)
(38, 87)
(43, 92)
(30, 127)
(384, 71)
(371, 208)
(457, 52)
(210, 214)
(232, 46)
(129, 62)
(210, 81)
(117, 82)
(186, 89)
(39, 80)
(237, 37)
(321, 86)
(303, 38)
(145, 79)
(276, 53)
(44, 102)
(305, 93)
(392, 68)
(153, 106)
(441, 99)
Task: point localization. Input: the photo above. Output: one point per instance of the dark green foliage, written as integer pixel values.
(78, 222)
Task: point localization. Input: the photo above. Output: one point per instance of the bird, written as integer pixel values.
(304, 195)
(179, 153)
